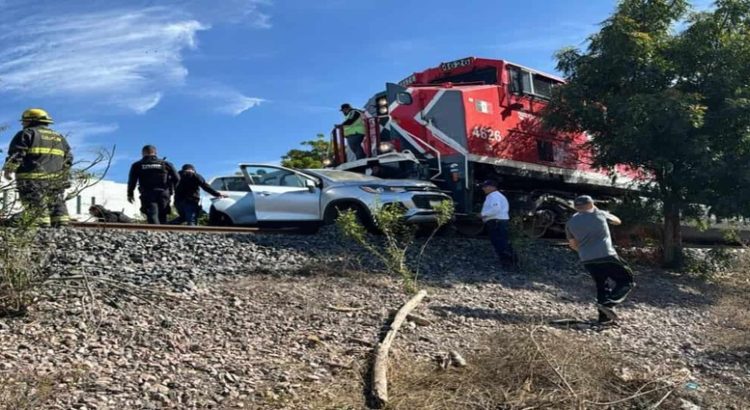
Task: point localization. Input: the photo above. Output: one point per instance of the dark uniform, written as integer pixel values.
(156, 179)
(187, 195)
(41, 160)
(103, 214)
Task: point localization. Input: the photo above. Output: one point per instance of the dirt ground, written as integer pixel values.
(304, 341)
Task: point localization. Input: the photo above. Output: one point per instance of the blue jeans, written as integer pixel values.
(499, 237)
(187, 211)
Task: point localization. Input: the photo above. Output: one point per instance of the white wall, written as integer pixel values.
(111, 195)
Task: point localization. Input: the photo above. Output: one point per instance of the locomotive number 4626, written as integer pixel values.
(485, 133)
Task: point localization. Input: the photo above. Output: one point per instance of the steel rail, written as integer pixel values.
(170, 228)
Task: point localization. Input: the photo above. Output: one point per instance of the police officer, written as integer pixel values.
(187, 195)
(156, 179)
(41, 160)
(354, 129)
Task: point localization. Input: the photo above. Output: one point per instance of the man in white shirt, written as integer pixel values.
(495, 217)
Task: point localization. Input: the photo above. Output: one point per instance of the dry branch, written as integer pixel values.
(345, 308)
(380, 366)
(417, 319)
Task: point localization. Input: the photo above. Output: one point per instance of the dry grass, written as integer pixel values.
(527, 368)
(732, 311)
(731, 308)
(28, 391)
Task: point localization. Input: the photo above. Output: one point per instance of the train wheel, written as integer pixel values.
(536, 225)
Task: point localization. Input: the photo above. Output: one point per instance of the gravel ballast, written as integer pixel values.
(252, 321)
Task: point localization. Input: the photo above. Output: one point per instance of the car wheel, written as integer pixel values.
(363, 215)
(216, 218)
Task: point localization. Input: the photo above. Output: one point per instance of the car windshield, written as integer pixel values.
(335, 175)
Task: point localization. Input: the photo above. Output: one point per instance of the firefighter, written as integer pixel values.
(187, 195)
(41, 160)
(354, 129)
(156, 179)
(495, 214)
(588, 234)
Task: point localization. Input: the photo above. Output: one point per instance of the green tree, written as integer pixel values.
(318, 150)
(672, 104)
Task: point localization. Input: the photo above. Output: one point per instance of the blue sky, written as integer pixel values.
(215, 83)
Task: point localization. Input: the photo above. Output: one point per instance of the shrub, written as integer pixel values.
(398, 237)
(23, 260)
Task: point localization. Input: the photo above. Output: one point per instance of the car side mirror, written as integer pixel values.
(311, 185)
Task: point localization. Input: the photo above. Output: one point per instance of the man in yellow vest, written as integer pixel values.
(41, 160)
(354, 129)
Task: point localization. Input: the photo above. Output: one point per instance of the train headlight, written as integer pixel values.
(327, 162)
(382, 104)
(384, 147)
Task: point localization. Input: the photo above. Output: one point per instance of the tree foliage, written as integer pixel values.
(312, 157)
(664, 90)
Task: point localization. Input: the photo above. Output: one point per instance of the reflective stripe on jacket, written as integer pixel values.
(37, 152)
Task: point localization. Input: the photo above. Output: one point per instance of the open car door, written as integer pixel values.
(282, 194)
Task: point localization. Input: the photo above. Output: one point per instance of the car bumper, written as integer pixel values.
(422, 218)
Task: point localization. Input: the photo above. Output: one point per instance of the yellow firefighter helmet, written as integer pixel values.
(36, 115)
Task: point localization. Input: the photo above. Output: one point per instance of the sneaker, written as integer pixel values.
(621, 294)
(607, 315)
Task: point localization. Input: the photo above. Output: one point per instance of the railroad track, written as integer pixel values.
(176, 228)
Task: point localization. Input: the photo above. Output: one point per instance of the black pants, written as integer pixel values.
(500, 239)
(355, 144)
(610, 269)
(155, 205)
(44, 201)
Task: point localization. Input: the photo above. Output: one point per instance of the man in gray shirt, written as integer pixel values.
(588, 233)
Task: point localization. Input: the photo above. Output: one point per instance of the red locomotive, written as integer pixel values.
(474, 119)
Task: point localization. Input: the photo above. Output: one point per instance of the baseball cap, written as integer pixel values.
(345, 107)
(583, 200)
(187, 167)
(489, 182)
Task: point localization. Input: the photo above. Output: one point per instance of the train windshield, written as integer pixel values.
(525, 82)
(482, 75)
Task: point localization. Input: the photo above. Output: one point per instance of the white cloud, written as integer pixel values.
(127, 56)
(237, 104)
(225, 100)
(141, 104)
(78, 132)
(233, 11)
(117, 56)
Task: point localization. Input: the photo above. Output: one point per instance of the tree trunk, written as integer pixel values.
(672, 240)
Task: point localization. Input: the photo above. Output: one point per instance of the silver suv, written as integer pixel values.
(270, 195)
